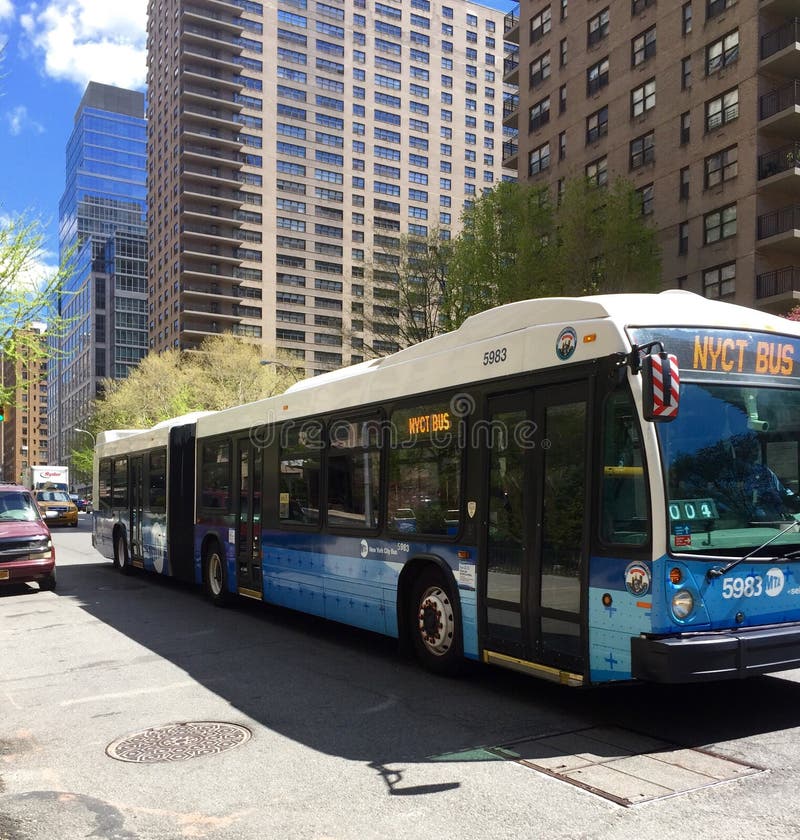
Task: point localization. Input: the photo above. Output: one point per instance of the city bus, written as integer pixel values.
(581, 489)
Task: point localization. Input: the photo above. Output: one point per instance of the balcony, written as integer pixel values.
(510, 154)
(511, 26)
(230, 22)
(779, 289)
(779, 110)
(511, 68)
(209, 55)
(231, 139)
(206, 76)
(780, 169)
(213, 194)
(218, 116)
(510, 109)
(780, 49)
(779, 7)
(780, 230)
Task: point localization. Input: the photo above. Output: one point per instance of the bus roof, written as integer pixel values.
(132, 439)
(528, 330)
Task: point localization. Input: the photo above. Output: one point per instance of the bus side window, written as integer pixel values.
(104, 486)
(624, 504)
(299, 466)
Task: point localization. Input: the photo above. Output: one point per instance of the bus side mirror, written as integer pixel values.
(661, 385)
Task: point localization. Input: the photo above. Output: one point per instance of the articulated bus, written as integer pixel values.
(586, 490)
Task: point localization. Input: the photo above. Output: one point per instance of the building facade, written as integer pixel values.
(102, 229)
(291, 141)
(697, 103)
(23, 431)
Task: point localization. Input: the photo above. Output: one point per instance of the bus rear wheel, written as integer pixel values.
(435, 623)
(214, 575)
(121, 559)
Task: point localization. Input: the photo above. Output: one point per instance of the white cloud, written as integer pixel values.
(90, 40)
(6, 9)
(19, 121)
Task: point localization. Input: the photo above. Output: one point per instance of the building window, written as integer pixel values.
(717, 7)
(720, 224)
(647, 195)
(721, 166)
(722, 53)
(638, 6)
(539, 159)
(683, 238)
(562, 145)
(686, 125)
(539, 114)
(686, 72)
(643, 98)
(597, 76)
(722, 109)
(683, 188)
(562, 99)
(597, 28)
(643, 47)
(540, 25)
(563, 52)
(597, 125)
(597, 171)
(643, 150)
(539, 69)
(686, 18)
(720, 281)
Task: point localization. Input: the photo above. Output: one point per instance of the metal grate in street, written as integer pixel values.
(178, 742)
(624, 766)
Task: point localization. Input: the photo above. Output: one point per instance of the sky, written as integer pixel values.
(51, 49)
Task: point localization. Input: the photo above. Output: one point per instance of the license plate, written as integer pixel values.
(4, 574)
(51, 514)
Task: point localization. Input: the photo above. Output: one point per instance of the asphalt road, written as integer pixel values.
(347, 739)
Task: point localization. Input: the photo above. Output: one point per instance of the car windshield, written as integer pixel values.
(51, 496)
(17, 506)
(732, 465)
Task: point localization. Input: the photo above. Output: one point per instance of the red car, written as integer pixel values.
(26, 547)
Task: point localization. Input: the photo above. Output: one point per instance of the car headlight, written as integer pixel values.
(682, 604)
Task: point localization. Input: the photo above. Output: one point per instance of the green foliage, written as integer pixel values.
(27, 291)
(517, 243)
(224, 372)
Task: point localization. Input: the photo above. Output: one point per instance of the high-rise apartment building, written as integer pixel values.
(23, 431)
(697, 103)
(102, 222)
(291, 141)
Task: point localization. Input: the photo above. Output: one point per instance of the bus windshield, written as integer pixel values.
(731, 465)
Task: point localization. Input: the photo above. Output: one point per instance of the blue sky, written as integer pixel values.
(51, 49)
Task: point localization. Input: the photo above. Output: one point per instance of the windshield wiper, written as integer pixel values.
(715, 572)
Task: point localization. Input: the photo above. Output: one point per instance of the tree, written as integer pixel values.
(27, 290)
(408, 292)
(516, 243)
(224, 372)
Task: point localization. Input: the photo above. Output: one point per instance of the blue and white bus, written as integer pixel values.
(586, 490)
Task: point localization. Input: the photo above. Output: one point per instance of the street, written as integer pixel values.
(306, 729)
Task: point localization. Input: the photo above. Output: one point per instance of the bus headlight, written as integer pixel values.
(682, 604)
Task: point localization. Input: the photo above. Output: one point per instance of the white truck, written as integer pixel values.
(56, 478)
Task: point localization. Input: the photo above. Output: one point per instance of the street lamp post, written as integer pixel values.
(86, 432)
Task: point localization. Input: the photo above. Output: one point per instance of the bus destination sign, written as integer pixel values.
(721, 352)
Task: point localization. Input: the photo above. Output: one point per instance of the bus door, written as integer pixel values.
(247, 502)
(136, 473)
(536, 533)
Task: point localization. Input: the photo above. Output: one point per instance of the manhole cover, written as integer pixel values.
(624, 766)
(178, 742)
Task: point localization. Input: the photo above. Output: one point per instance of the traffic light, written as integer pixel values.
(2, 413)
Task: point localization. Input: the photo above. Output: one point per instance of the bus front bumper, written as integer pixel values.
(718, 655)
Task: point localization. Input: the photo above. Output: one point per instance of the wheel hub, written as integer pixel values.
(435, 619)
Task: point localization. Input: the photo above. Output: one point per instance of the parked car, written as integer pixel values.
(26, 547)
(57, 507)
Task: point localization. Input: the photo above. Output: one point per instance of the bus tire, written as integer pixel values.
(435, 623)
(121, 557)
(215, 576)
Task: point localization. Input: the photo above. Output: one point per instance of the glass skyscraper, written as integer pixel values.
(103, 232)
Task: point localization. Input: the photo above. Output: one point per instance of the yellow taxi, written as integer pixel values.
(57, 508)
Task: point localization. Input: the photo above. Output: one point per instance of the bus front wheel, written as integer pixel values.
(435, 623)
(214, 574)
